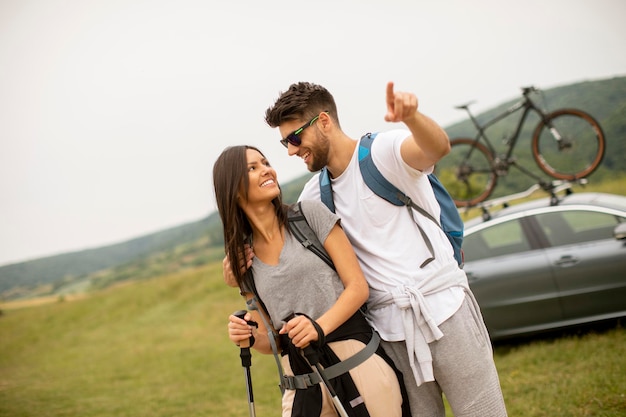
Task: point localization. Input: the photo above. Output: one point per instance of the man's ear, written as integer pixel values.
(325, 120)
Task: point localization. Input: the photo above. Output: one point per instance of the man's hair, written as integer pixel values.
(302, 101)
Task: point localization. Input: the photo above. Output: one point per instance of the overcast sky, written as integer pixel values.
(112, 112)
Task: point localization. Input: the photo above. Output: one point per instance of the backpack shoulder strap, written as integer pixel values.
(379, 184)
(450, 221)
(372, 176)
(326, 191)
(301, 230)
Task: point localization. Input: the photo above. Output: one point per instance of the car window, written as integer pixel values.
(500, 239)
(576, 226)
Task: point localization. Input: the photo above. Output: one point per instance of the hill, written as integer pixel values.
(198, 243)
(189, 245)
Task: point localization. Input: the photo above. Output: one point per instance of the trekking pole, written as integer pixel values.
(246, 361)
(311, 355)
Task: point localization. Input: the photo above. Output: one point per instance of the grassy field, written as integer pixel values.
(159, 348)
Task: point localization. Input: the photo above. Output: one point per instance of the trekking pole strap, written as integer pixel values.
(308, 380)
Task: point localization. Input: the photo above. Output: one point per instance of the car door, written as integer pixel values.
(511, 278)
(589, 264)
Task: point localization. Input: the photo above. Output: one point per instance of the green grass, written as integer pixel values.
(152, 348)
(160, 348)
(572, 375)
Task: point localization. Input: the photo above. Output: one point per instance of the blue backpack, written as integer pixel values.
(450, 220)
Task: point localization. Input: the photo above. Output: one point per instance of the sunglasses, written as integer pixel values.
(294, 137)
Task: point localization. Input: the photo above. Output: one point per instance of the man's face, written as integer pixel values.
(313, 147)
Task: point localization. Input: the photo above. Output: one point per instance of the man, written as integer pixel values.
(420, 301)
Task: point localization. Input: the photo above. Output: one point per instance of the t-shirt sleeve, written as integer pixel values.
(387, 158)
(319, 217)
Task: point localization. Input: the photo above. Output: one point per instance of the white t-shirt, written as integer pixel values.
(385, 237)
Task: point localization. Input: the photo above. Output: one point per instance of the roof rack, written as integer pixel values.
(552, 188)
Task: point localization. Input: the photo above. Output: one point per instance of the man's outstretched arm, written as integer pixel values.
(428, 142)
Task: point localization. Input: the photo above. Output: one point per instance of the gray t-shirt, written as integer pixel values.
(301, 282)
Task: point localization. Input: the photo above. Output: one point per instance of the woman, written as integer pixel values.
(290, 279)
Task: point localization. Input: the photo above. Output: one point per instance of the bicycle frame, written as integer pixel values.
(525, 103)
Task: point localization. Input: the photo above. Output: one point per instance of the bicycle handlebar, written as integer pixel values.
(525, 92)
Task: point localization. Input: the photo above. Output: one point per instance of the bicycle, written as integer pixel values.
(567, 144)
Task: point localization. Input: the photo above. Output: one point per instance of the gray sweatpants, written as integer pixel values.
(463, 367)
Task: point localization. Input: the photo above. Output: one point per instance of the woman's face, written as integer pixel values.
(263, 185)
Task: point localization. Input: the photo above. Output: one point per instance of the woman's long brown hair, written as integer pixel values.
(230, 180)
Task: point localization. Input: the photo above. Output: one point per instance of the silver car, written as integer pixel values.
(540, 266)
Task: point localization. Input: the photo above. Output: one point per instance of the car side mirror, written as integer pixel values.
(619, 232)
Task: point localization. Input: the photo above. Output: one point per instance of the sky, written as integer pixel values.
(112, 112)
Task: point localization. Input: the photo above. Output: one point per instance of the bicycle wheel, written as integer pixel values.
(577, 153)
(467, 172)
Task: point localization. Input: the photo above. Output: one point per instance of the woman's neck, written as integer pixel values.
(268, 235)
(264, 222)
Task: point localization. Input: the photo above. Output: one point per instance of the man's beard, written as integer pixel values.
(319, 153)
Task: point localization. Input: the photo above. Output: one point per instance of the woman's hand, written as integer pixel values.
(239, 330)
(300, 330)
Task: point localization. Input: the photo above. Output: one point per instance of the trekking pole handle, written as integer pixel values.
(311, 354)
(250, 342)
(310, 351)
